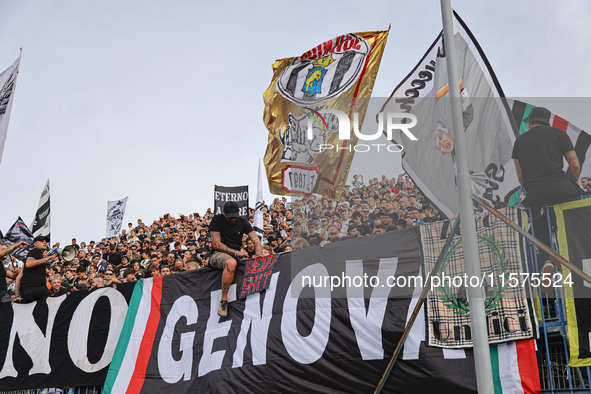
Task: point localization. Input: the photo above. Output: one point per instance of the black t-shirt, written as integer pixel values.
(85, 263)
(114, 258)
(3, 286)
(540, 151)
(34, 277)
(231, 236)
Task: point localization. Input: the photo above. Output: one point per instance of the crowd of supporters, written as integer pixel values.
(170, 245)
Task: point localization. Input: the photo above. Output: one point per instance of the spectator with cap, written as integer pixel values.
(226, 234)
(400, 224)
(538, 155)
(33, 284)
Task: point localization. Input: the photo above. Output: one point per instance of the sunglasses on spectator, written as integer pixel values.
(365, 211)
(108, 273)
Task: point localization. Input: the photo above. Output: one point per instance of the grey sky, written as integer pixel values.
(160, 100)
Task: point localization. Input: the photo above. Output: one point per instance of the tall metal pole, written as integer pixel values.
(482, 362)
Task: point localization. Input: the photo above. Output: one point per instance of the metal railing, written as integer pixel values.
(556, 376)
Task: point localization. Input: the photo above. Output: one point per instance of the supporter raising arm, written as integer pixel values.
(5, 251)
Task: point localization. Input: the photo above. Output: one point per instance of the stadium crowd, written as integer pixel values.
(170, 245)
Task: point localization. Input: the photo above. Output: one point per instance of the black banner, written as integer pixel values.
(238, 194)
(61, 341)
(289, 338)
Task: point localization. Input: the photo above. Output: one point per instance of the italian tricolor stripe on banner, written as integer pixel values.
(515, 368)
(128, 368)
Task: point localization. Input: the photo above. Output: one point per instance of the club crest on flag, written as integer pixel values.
(337, 75)
(325, 71)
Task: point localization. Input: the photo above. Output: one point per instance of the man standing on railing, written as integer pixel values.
(538, 156)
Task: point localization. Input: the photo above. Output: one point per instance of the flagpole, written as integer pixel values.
(482, 361)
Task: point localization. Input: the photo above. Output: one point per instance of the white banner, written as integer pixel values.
(115, 213)
(7, 86)
(42, 223)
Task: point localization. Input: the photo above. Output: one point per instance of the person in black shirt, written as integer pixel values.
(4, 296)
(226, 235)
(33, 284)
(538, 160)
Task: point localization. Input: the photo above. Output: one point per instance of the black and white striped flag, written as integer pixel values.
(42, 223)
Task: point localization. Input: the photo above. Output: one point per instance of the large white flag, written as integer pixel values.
(7, 86)
(258, 208)
(488, 125)
(42, 223)
(115, 213)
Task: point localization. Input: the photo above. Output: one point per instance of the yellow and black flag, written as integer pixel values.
(305, 153)
(574, 232)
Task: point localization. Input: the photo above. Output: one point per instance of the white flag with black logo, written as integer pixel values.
(487, 123)
(7, 86)
(115, 213)
(42, 223)
(258, 208)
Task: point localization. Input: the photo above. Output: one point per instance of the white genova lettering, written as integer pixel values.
(80, 326)
(31, 337)
(211, 361)
(258, 323)
(170, 369)
(345, 125)
(368, 325)
(306, 350)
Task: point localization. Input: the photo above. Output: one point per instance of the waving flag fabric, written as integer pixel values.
(487, 122)
(42, 223)
(337, 74)
(17, 233)
(7, 87)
